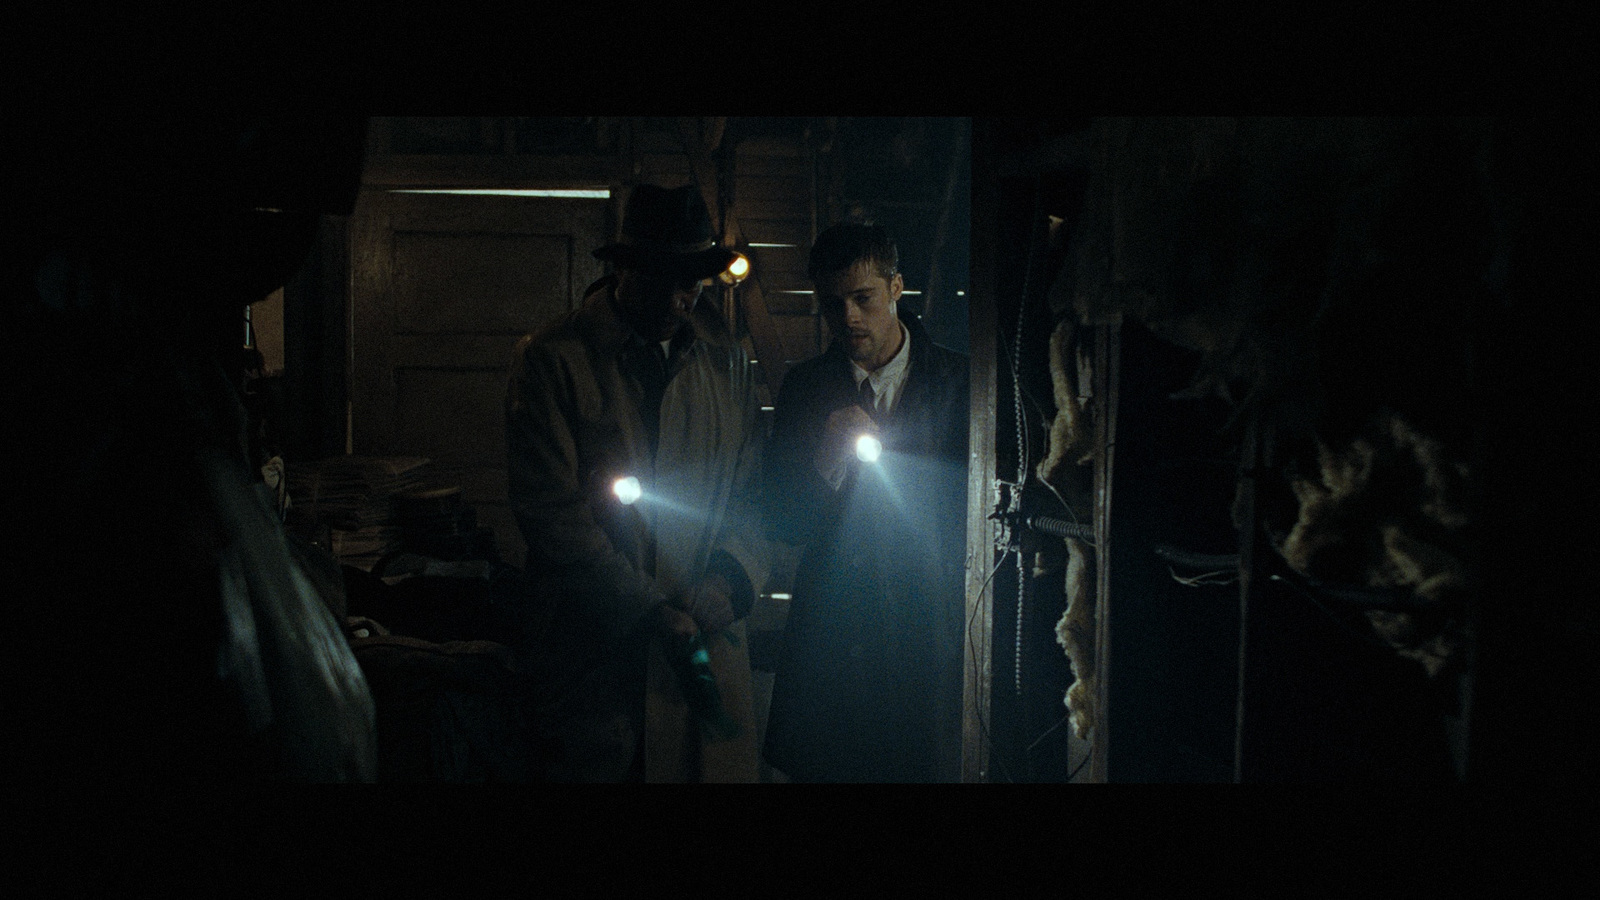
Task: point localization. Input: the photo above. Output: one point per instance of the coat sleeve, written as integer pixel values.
(799, 505)
(598, 591)
(743, 554)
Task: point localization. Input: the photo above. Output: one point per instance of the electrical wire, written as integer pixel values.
(1367, 638)
(1019, 394)
(1086, 758)
(1068, 507)
(1048, 731)
(1220, 577)
(1023, 444)
(972, 649)
(1024, 448)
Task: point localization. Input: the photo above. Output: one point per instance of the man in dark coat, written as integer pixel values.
(868, 683)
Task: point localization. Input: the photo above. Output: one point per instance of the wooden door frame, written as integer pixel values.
(982, 531)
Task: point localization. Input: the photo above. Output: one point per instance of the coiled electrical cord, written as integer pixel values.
(1022, 422)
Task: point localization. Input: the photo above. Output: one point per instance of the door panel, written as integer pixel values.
(442, 287)
(501, 277)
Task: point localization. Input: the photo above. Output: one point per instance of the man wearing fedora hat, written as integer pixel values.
(633, 443)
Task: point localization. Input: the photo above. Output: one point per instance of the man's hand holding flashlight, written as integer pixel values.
(710, 603)
(837, 448)
(676, 621)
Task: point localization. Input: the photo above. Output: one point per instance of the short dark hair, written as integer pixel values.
(847, 243)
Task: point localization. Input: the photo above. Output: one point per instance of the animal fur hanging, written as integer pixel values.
(1326, 272)
(1075, 633)
(1388, 511)
(1070, 435)
(1069, 450)
(1321, 269)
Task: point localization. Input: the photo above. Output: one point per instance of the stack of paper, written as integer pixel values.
(353, 496)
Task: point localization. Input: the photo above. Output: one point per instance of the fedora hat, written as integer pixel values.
(668, 229)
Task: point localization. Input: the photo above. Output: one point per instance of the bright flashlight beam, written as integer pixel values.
(627, 489)
(868, 448)
(658, 502)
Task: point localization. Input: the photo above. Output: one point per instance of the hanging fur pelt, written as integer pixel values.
(1063, 469)
(1075, 634)
(1388, 511)
(1070, 434)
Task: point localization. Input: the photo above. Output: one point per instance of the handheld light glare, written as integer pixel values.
(627, 489)
(868, 448)
(736, 270)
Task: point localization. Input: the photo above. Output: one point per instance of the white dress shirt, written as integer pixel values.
(887, 384)
(890, 378)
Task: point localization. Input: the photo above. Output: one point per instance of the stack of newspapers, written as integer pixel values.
(353, 498)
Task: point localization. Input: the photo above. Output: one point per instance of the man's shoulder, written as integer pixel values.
(721, 352)
(831, 362)
(811, 374)
(948, 357)
(728, 363)
(810, 368)
(590, 324)
(924, 347)
(940, 364)
(551, 336)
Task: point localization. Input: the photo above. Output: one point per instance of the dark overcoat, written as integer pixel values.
(868, 683)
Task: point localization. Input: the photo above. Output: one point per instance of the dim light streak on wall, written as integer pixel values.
(574, 193)
(809, 293)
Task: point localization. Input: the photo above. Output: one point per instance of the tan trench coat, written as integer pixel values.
(573, 427)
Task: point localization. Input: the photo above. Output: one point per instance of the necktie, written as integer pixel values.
(868, 397)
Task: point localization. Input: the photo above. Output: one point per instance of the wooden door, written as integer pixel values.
(442, 286)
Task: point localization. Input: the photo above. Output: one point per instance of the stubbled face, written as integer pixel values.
(656, 304)
(861, 309)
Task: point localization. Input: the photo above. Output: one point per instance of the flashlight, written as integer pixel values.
(868, 448)
(627, 489)
(736, 270)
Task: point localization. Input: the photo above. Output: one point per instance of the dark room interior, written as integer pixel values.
(1276, 434)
